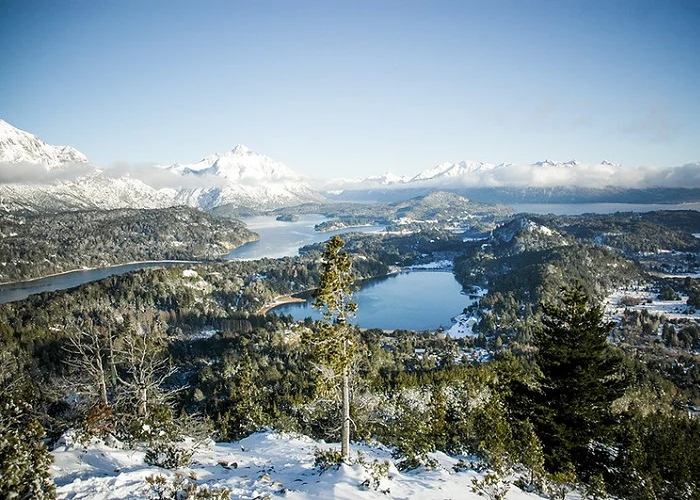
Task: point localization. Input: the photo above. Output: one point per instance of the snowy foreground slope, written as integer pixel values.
(264, 465)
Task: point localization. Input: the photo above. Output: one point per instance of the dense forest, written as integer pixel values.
(34, 245)
(569, 401)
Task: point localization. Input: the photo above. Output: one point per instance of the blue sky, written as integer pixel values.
(357, 88)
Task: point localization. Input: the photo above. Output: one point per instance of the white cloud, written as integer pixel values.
(31, 173)
(551, 175)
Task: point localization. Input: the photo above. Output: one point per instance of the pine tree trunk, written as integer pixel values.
(345, 446)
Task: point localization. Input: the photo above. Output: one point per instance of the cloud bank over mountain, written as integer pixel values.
(25, 172)
(35, 174)
(544, 174)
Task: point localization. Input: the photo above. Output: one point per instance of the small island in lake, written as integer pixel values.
(287, 218)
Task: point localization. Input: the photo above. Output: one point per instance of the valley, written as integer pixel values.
(188, 339)
(314, 250)
(204, 318)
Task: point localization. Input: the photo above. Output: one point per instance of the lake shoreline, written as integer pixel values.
(291, 299)
(388, 302)
(280, 301)
(99, 268)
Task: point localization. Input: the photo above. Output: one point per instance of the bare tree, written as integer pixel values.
(144, 369)
(92, 353)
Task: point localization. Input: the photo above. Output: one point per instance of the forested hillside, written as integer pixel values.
(549, 396)
(36, 245)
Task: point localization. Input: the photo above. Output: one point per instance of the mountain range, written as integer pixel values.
(35, 176)
(18, 146)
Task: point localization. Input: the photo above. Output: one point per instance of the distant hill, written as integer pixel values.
(516, 195)
(35, 245)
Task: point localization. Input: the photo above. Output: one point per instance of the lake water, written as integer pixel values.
(18, 291)
(283, 239)
(597, 208)
(277, 239)
(418, 300)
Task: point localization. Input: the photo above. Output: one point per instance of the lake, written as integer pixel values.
(11, 292)
(283, 239)
(417, 300)
(277, 239)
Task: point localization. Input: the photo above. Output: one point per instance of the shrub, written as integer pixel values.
(168, 456)
(412, 461)
(24, 459)
(100, 421)
(325, 459)
(377, 471)
(559, 484)
(493, 486)
(158, 426)
(182, 488)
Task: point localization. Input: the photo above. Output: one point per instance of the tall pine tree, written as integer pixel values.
(336, 341)
(581, 375)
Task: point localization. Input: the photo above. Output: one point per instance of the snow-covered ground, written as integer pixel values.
(463, 324)
(263, 465)
(205, 332)
(440, 264)
(648, 300)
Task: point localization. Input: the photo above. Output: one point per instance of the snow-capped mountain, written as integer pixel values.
(476, 174)
(90, 187)
(454, 170)
(239, 164)
(388, 178)
(548, 180)
(555, 163)
(241, 178)
(95, 190)
(18, 146)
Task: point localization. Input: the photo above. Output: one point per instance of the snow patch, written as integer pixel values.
(441, 264)
(263, 465)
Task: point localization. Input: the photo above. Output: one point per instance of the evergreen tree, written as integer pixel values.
(24, 459)
(581, 374)
(335, 341)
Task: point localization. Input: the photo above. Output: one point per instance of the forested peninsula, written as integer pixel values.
(35, 245)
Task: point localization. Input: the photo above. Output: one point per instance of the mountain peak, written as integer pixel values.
(18, 146)
(555, 163)
(241, 150)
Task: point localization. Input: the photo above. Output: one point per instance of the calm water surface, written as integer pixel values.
(283, 239)
(19, 291)
(277, 239)
(419, 300)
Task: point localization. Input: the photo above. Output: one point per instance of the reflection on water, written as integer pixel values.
(277, 239)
